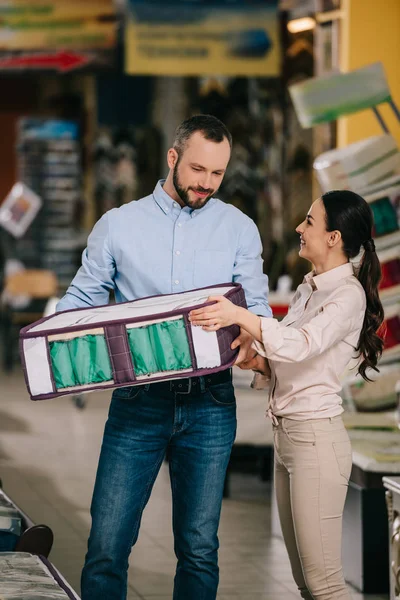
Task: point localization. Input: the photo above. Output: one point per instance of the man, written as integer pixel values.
(177, 239)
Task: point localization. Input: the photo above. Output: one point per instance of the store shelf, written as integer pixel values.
(390, 295)
(390, 253)
(49, 162)
(390, 355)
(386, 241)
(388, 186)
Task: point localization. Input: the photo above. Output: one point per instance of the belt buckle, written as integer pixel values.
(182, 386)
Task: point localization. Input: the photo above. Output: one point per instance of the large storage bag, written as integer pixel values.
(125, 344)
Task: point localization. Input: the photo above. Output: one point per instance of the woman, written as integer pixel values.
(335, 314)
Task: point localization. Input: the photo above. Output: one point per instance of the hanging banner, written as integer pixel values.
(203, 37)
(324, 99)
(57, 35)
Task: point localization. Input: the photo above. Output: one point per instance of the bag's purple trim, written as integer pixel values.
(70, 593)
(190, 341)
(26, 333)
(24, 368)
(225, 338)
(226, 335)
(53, 381)
(120, 354)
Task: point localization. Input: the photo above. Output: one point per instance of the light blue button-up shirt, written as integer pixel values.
(153, 246)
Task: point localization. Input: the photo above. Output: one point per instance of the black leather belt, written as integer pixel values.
(192, 384)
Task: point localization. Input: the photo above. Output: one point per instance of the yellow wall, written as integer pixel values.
(370, 32)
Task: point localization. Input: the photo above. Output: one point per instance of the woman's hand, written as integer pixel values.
(258, 363)
(211, 318)
(223, 314)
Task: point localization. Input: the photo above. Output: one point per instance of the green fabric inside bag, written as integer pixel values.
(80, 361)
(160, 347)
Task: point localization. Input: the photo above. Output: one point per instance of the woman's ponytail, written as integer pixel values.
(370, 345)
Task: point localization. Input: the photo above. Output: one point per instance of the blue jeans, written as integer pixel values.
(198, 429)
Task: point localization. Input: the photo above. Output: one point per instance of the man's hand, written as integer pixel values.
(246, 352)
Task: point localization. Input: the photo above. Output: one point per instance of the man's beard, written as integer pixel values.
(183, 193)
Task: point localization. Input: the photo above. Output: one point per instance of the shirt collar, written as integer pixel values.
(330, 278)
(164, 200)
(168, 204)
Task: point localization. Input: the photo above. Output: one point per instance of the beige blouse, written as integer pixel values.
(311, 347)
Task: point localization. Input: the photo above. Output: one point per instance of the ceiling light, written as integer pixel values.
(303, 24)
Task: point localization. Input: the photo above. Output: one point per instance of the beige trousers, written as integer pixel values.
(312, 469)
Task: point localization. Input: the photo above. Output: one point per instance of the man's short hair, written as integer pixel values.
(210, 127)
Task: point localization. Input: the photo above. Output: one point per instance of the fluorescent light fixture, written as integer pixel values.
(303, 24)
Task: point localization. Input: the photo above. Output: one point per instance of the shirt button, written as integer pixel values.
(177, 252)
(176, 281)
(179, 224)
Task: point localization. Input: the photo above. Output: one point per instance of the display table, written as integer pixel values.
(25, 571)
(17, 531)
(392, 485)
(376, 453)
(29, 577)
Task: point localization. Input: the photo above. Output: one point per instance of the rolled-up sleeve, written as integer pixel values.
(248, 271)
(336, 319)
(93, 282)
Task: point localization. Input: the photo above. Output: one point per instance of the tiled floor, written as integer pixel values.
(48, 457)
